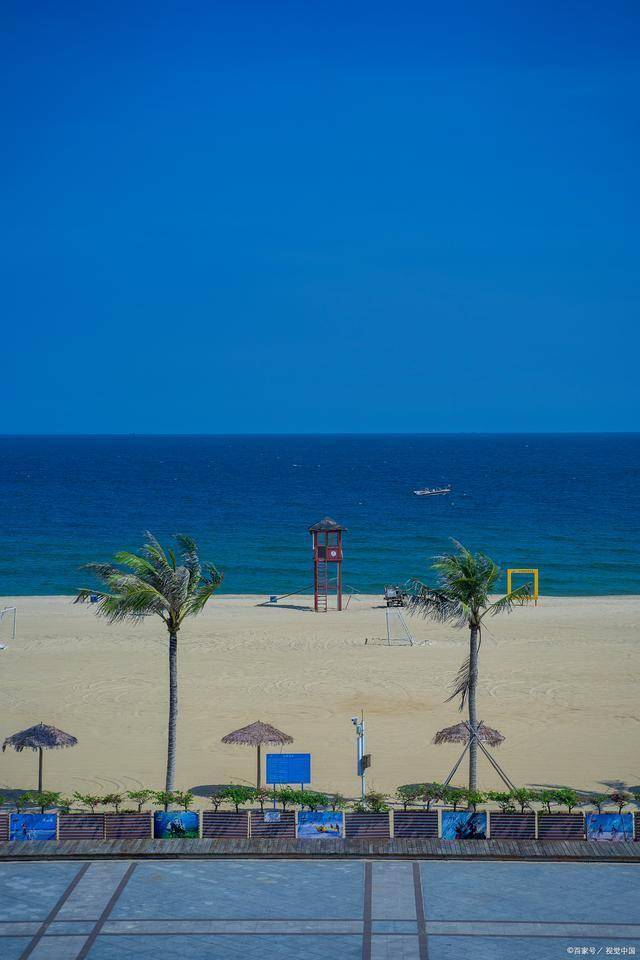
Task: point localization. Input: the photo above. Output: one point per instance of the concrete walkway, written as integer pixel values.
(317, 910)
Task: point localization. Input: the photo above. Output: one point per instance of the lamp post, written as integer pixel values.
(362, 758)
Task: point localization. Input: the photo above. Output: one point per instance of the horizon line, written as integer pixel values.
(346, 433)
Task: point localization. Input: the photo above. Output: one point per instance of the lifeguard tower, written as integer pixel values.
(327, 563)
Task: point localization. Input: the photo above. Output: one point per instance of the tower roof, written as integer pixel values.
(325, 525)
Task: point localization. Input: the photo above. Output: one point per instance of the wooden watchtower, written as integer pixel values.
(327, 563)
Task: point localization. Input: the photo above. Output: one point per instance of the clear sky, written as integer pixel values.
(319, 216)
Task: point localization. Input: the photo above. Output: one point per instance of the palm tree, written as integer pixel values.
(155, 582)
(462, 597)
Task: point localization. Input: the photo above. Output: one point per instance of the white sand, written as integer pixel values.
(560, 681)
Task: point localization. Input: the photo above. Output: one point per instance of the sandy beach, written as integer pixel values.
(559, 680)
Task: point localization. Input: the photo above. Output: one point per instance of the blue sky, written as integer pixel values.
(319, 217)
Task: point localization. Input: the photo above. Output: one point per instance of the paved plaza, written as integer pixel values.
(317, 910)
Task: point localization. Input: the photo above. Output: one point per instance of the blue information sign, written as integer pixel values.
(288, 768)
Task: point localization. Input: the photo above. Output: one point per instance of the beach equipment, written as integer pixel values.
(459, 733)
(526, 570)
(327, 570)
(327, 555)
(397, 630)
(40, 737)
(394, 595)
(255, 735)
(12, 613)
(464, 733)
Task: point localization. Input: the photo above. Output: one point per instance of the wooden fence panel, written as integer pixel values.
(81, 826)
(128, 826)
(415, 823)
(512, 826)
(285, 827)
(367, 825)
(560, 826)
(234, 826)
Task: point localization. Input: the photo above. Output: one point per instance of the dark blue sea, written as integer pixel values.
(568, 504)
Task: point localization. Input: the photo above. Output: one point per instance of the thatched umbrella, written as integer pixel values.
(41, 737)
(459, 733)
(254, 735)
(462, 733)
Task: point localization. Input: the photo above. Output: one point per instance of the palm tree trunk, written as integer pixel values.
(173, 711)
(471, 697)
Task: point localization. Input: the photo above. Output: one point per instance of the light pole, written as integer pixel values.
(362, 758)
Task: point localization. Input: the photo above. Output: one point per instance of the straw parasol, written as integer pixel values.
(254, 735)
(459, 733)
(41, 737)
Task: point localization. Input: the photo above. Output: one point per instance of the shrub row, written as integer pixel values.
(47, 800)
(235, 795)
(522, 799)
(408, 795)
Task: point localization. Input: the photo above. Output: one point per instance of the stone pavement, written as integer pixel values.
(317, 910)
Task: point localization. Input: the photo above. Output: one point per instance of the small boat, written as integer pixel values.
(432, 491)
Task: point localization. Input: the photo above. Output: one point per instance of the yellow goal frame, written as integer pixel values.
(534, 571)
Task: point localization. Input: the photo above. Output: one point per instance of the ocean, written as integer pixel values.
(567, 504)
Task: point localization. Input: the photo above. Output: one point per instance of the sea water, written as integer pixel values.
(567, 504)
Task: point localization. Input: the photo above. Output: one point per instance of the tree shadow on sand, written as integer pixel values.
(306, 608)
(209, 790)
(11, 795)
(585, 796)
(619, 785)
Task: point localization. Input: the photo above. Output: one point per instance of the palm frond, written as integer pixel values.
(466, 578)
(134, 604)
(86, 593)
(461, 684)
(178, 588)
(154, 552)
(453, 561)
(205, 590)
(190, 558)
(153, 583)
(198, 600)
(510, 600)
(213, 574)
(138, 564)
(102, 570)
(433, 604)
